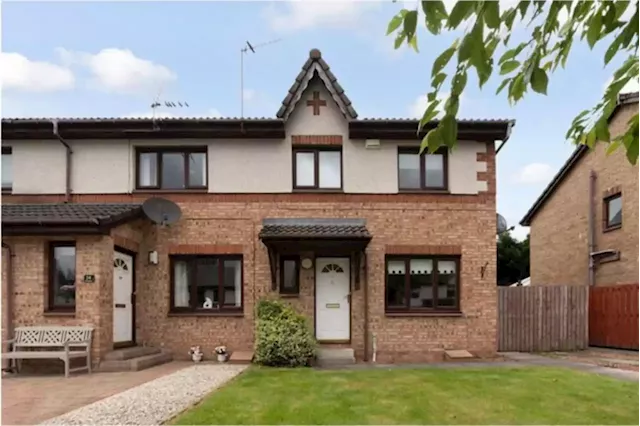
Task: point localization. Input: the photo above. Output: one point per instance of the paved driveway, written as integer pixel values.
(34, 399)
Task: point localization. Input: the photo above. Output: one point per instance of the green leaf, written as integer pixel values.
(410, 23)
(431, 139)
(466, 47)
(442, 60)
(413, 42)
(437, 81)
(435, 13)
(399, 40)
(448, 132)
(394, 24)
(429, 114)
(452, 105)
(461, 11)
(594, 29)
(602, 130)
(591, 138)
(517, 88)
(512, 53)
(459, 82)
(613, 146)
(612, 50)
(431, 96)
(502, 85)
(632, 147)
(492, 14)
(491, 46)
(522, 7)
(508, 67)
(539, 81)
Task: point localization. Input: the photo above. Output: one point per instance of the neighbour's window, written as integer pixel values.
(290, 275)
(206, 283)
(421, 171)
(612, 212)
(7, 168)
(422, 283)
(62, 276)
(317, 168)
(172, 168)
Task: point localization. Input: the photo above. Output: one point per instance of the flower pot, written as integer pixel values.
(196, 357)
(222, 357)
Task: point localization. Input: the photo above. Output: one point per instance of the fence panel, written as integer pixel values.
(613, 316)
(544, 318)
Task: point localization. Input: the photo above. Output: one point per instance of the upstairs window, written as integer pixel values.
(612, 215)
(424, 171)
(318, 168)
(7, 168)
(172, 168)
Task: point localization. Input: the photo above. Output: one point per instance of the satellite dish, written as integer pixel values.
(161, 211)
(502, 223)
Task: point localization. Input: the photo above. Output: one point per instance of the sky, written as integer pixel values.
(113, 59)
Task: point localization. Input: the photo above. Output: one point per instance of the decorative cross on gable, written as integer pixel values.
(316, 103)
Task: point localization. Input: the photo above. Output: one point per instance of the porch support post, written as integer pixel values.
(356, 265)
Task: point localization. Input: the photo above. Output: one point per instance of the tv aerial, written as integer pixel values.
(165, 103)
(161, 211)
(246, 49)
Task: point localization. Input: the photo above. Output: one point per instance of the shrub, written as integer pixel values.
(283, 337)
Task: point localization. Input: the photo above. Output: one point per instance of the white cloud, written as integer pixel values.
(21, 73)
(520, 232)
(535, 173)
(214, 113)
(120, 70)
(298, 15)
(417, 108)
(211, 113)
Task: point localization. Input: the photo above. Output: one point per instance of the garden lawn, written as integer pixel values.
(533, 395)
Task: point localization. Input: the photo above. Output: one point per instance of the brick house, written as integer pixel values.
(559, 219)
(378, 246)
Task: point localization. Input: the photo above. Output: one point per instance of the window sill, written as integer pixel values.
(170, 191)
(207, 314)
(289, 295)
(612, 228)
(424, 191)
(59, 313)
(317, 191)
(425, 314)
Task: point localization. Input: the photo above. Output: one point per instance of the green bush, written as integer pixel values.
(283, 337)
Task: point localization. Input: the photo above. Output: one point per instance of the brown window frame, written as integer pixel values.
(407, 282)
(172, 149)
(51, 306)
(606, 227)
(296, 289)
(193, 285)
(315, 150)
(423, 187)
(7, 150)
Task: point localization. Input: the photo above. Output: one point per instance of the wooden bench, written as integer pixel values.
(51, 342)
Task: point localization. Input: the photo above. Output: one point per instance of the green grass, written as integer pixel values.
(419, 396)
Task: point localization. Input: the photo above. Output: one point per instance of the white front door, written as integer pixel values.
(332, 299)
(122, 298)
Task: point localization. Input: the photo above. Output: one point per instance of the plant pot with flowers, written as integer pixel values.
(196, 354)
(221, 352)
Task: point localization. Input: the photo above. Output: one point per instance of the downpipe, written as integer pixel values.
(9, 302)
(56, 133)
(591, 236)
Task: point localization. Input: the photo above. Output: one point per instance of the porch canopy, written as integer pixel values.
(66, 218)
(323, 237)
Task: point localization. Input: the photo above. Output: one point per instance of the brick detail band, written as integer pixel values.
(612, 191)
(126, 243)
(423, 249)
(205, 249)
(316, 140)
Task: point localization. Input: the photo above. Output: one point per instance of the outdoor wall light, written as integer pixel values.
(153, 257)
(306, 263)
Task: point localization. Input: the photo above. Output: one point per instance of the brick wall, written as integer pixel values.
(559, 231)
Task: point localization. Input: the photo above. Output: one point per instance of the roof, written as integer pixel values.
(574, 158)
(316, 67)
(314, 228)
(99, 217)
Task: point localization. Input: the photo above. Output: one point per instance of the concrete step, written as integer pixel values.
(129, 353)
(335, 356)
(135, 364)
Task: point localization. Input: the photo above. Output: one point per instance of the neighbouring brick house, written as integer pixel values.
(340, 216)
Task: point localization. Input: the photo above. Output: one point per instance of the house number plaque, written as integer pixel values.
(89, 278)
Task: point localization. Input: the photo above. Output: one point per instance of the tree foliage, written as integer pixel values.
(552, 28)
(513, 259)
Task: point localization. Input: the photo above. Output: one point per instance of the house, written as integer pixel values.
(559, 219)
(339, 216)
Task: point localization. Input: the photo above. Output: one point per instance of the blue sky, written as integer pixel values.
(113, 59)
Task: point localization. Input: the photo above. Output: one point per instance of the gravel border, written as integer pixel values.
(154, 402)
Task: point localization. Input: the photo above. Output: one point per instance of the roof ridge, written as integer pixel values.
(313, 66)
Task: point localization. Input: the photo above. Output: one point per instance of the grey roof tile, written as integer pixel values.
(67, 213)
(314, 228)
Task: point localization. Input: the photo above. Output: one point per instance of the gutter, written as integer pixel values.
(9, 299)
(67, 192)
(507, 136)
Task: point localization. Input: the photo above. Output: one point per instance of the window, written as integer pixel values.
(422, 283)
(317, 168)
(172, 168)
(290, 275)
(421, 171)
(612, 215)
(62, 276)
(206, 283)
(7, 168)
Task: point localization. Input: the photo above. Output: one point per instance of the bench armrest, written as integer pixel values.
(8, 341)
(77, 343)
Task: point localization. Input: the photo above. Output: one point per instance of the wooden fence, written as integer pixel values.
(545, 318)
(613, 316)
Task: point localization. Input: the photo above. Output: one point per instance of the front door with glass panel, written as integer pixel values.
(122, 298)
(333, 299)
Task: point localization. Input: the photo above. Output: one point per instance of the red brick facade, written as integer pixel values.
(230, 223)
